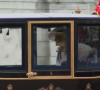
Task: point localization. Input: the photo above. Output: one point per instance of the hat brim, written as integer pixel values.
(52, 34)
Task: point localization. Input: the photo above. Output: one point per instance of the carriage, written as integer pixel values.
(49, 46)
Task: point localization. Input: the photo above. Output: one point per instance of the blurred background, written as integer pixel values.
(54, 6)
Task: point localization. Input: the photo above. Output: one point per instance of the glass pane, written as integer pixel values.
(88, 47)
(10, 46)
(50, 47)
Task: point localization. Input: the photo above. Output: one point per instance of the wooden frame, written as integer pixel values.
(72, 48)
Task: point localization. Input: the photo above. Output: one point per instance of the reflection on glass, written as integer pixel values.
(10, 46)
(88, 47)
(50, 47)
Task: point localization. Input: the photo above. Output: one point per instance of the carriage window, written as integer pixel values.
(88, 42)
(50, 45)
(10, 46)
(12, 50)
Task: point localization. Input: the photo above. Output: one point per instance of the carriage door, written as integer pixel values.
(49, 49)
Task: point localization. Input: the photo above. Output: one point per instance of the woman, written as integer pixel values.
(59, 36)
(84, 51)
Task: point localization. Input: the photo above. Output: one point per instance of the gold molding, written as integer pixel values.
(88, 87)
(50, 77)
(31, 74)
(13, 78)
(62, 77)
(50, 87)
(72, 49)
(95, 77)
(9, 87)
(41, 22)
(29, 47)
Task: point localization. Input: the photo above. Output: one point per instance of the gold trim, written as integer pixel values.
(9, 87)
(50, 87)
(50, 77)
(14, 79)
(61, 77)
(29, 48)
(41, 22)
(72, 49)
(88, 87)
(95, 77)
(31, 74)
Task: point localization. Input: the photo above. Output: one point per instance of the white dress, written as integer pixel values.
(83, 53)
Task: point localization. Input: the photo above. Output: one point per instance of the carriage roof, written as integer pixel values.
(45, 15)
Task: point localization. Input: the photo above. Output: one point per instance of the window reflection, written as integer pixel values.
(10, 46)
(88, 47)
(50, 46)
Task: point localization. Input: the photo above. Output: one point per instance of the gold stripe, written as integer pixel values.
(29, 47)
(50, 77)
(14, 79)
(72, 49)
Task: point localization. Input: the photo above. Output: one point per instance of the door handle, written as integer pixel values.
(31, 74)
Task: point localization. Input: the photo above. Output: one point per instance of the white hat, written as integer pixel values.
(53, 32)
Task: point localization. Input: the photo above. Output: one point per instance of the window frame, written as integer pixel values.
(30, 23)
